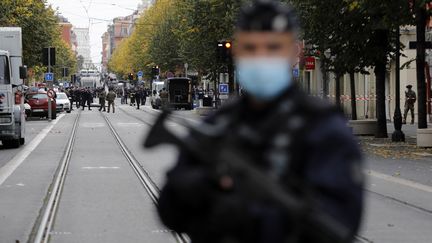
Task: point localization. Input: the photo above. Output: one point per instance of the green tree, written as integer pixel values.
(38, 23)
(359, 34)
(65, 58)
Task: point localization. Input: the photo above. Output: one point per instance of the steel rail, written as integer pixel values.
(49, 212)
(142, 175)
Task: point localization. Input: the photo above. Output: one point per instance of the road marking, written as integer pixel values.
(100, 168)
(134, 124)
(400, 181)
(92, 125)
(10, 167)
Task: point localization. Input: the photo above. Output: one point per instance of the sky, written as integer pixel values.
(95, 14)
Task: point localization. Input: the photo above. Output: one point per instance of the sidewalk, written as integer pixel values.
(385, 148)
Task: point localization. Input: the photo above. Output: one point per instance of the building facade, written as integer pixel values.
(312, 82)
(83, 45)
(67, 32)
(120, 29)
(106, 55)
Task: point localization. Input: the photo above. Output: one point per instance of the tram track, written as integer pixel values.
(47, 218)
(145, 179)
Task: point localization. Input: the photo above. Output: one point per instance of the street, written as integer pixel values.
(103, 200)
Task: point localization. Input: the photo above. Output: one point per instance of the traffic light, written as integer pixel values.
(65, 72)
(52, 56)
(224, 51)
(73, 78)
(155, 71)
(131, 76)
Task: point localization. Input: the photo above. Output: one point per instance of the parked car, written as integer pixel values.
(38, 102)
(63, 103)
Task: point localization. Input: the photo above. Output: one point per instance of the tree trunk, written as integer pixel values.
(337, 90)
(353, 97)
(380, 72)
(421, 56)
(325, 78)
(382, 38)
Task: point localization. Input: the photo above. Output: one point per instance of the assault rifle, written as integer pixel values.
(206, 144)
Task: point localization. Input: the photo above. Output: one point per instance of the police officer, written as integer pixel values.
(83, 97)
(301, 143)
(145, 93)
(164, 96)
(111, 96)
(139, 93)
(88, 98)
(410, 100)
(102, 97)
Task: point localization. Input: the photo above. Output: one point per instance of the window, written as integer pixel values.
(37, 96)
(4, 70)
(62, 96)
(124, 31)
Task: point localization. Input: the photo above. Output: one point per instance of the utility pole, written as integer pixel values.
(398, 135)
(421, 18)
(49, 86)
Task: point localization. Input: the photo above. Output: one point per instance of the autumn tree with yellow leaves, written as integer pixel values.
(174, 32)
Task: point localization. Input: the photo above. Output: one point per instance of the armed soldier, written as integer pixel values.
(102, 97)
(300, 144)
(164, 96)
(410, 100)
(111, 96)
(139, 93)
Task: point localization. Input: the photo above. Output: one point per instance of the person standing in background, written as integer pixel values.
(410, 100)
(111, 96)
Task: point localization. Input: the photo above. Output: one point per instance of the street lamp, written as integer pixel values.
(398, 135)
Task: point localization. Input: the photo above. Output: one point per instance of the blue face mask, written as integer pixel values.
(264, 78)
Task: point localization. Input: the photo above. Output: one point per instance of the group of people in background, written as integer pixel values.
(84, 97)
(138, 96)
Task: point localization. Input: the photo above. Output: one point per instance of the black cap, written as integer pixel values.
(409, 86)
(268, 15)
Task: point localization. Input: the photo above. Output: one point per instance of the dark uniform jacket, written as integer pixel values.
(410, 97)
(303, 142)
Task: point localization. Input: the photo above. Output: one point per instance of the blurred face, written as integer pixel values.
(266, 45)
(264, 62)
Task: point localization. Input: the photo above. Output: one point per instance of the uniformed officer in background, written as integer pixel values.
(111, 96)
(410, 100)
(139, 93)
(164, 96)
(102, 97)
(301, 143)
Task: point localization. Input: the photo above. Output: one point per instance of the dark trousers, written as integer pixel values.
(143, 100)
(102, 104)
(408, 108)
(89, 101)
(83, 103)
(138, 102)
(111, 103)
